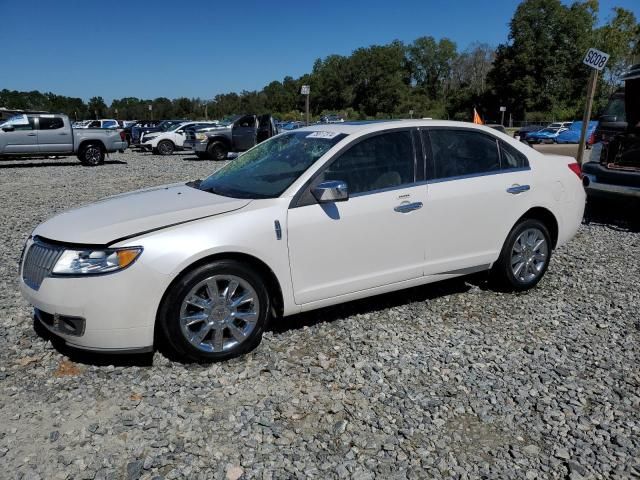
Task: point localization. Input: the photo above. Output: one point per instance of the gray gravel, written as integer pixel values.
(445, 381)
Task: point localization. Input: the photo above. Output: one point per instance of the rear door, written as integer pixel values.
(478, 187)
(22, 138)
(245, 133)
(53, 135)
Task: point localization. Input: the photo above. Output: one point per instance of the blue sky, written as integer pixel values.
(198, 48)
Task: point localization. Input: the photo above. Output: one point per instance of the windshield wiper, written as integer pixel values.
(194, 183)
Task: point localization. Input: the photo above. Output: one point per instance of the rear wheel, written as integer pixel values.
(215, 312)
(217, 150)
(524, 257)
(91, 155)
(166, 147)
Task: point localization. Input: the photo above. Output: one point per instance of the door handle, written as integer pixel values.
(515, 189)
(63, 133)
(31, 134)
(408, 207)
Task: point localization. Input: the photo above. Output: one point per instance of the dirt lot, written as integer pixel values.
(452, 380)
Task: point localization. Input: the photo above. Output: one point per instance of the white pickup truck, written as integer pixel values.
(40, 134)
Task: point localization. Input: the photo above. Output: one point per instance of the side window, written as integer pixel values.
(109, 124)
(94, 124)
(21, 122)
(50, 123)
(511, 158)
(383, 161)
(247, 121)
(457, 153)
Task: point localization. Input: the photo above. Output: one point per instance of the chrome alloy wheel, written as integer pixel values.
(219, 313)
(92, 155)
(529, 255)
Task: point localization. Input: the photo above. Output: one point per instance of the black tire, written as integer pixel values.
(218, 150)
(171, 331)
(91, 155)
(166, 147)
(202, 155)
(502, 272)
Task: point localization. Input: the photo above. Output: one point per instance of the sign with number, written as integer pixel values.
(150, 107)
(305, 90)
(596, 59)
(503, 109)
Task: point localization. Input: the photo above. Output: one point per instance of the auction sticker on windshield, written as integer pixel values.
(327, 135)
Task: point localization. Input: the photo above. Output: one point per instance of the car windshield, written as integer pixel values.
(229, 120)
(168, 125)
(270, 168)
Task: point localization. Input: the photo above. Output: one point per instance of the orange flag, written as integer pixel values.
(476, 118)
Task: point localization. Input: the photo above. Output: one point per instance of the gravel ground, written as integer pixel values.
(444, 381)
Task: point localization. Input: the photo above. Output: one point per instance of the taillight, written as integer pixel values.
(123, 137)
(575, 168)
(592, 138)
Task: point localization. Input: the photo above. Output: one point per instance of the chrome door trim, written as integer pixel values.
(408, 207)
(516, 189)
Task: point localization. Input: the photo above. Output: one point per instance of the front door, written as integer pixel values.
(245, 132)
(373, 239)
(53, 136)
(20, 136)
(478, 187)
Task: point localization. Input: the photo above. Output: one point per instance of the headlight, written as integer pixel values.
(91, 262)
(201, 136)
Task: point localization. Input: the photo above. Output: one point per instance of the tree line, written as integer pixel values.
(537, 74)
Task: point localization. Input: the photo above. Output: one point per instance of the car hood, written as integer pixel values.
(135, 213)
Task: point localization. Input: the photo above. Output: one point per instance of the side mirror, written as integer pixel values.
(331, 191)
(8, 128)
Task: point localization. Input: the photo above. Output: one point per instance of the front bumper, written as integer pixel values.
(108, 313)
(200, 146)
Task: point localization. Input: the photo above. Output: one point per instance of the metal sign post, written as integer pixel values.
(596, 60)
(306, 90)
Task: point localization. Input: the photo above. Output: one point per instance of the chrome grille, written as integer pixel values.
(39, 262)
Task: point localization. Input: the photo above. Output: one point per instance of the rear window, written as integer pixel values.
(51, 123)
(615, 108)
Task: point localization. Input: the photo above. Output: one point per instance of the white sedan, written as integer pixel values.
(167, 142)
(309, 218)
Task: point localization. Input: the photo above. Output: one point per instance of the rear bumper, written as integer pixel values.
(604, 182)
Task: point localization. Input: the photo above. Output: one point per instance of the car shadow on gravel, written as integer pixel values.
(92, 358)
(377, 303)
(621, 215)
(52, 163)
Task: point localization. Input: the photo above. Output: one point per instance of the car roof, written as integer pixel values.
(371, 126)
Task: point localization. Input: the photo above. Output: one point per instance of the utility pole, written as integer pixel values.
(306, 91)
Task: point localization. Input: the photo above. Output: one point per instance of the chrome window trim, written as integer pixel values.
(389, 189)
(483, 174)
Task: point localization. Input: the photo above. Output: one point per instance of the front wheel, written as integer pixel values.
(166, 147)
(215, 312)
(524, 257)
(218, 150)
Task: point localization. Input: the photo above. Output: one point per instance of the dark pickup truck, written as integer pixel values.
(235, 134)
(614, 169)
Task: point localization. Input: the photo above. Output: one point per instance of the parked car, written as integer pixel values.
(572, 134)
(332, 118)
(497, 126)
(614, 167)
(288, 126)
(522, 133)
(48, 134)
(168, 141)
(546, 135)
(236, 134)
(104, 123)
(140, 129)
(194, 135)
(309, 218)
